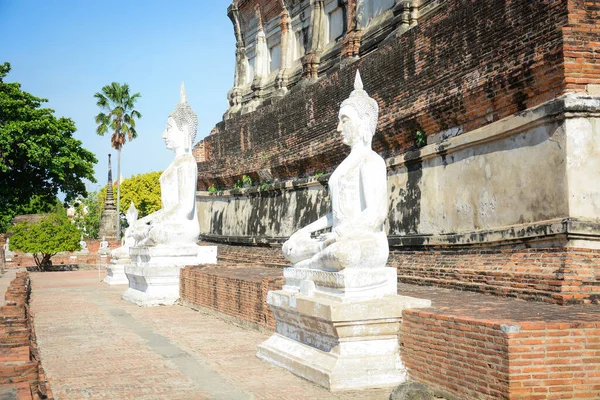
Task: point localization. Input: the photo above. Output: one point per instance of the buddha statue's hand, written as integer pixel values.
(140, 232)
(326, 239)
(300, 246)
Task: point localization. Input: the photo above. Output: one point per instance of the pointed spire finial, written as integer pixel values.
(182, 95)
(358, 85)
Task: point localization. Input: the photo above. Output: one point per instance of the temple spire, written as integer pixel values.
(109, 203)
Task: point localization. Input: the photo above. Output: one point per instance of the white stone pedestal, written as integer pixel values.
(116, 273)
(153, 274)
(331, 335)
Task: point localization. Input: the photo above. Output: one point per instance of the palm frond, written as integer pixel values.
(117, 102)
(101, 129)
(101, 118)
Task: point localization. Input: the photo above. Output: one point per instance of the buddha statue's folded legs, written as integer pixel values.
(358, 250)
(165, 233)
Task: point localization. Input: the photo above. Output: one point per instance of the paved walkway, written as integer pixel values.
(94, 345)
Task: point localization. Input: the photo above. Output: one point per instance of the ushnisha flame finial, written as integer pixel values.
(366, 107)
(358, 85)
(182, 95)
(185, 118)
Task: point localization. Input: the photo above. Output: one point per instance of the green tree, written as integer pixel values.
(87, 214)
(118, 117)
(39, 205)
(45, 238)
(142, 189)
(38, 155)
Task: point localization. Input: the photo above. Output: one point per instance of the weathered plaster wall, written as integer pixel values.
(583, 166)
(253, 214)
(510, 172)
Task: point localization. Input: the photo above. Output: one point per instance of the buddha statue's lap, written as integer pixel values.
(358, 190)
(356, 250)
(166, 233)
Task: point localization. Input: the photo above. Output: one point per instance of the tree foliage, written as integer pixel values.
(118, 114)
(45, 238)
(142, 189)
(87, 214)
(39, 205)
(38, 155)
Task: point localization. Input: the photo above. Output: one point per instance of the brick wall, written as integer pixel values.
(551, 275)
(470, 358)
(440, 351)
(199, 153)
(560, 360)
(236, 291)
(263, 256)
(269, 9)
(20, 366)
(561, 276)
(582, 46)
(466, 64)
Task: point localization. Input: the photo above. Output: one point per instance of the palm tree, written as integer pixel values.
(117, 116)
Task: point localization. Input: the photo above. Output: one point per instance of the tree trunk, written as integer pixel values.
(118, 193)
(45, 263)
(36, 258)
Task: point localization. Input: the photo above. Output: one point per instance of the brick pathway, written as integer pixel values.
(94, 345)
(495, 309)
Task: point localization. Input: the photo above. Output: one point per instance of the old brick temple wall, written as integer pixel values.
(504, 198)
(465, 65)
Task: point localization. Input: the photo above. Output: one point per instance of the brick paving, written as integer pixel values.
(495, 309)
(94, 345)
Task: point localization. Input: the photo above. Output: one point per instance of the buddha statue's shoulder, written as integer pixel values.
(185, 160)
(372, 159)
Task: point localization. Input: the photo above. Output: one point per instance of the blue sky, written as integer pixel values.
(66, 51)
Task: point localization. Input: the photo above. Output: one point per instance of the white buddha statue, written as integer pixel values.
(82, 247)
(338, 313)
(127, 240)
(176, 222)
(8, 254)
(119, 257)
(358, 189)
(166, 241)
(104, 246)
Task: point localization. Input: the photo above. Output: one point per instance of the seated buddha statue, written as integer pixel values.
(358, 190)
(176, 223)
(127, 240)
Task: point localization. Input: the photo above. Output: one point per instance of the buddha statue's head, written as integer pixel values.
(182, 125)
(358, 115)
